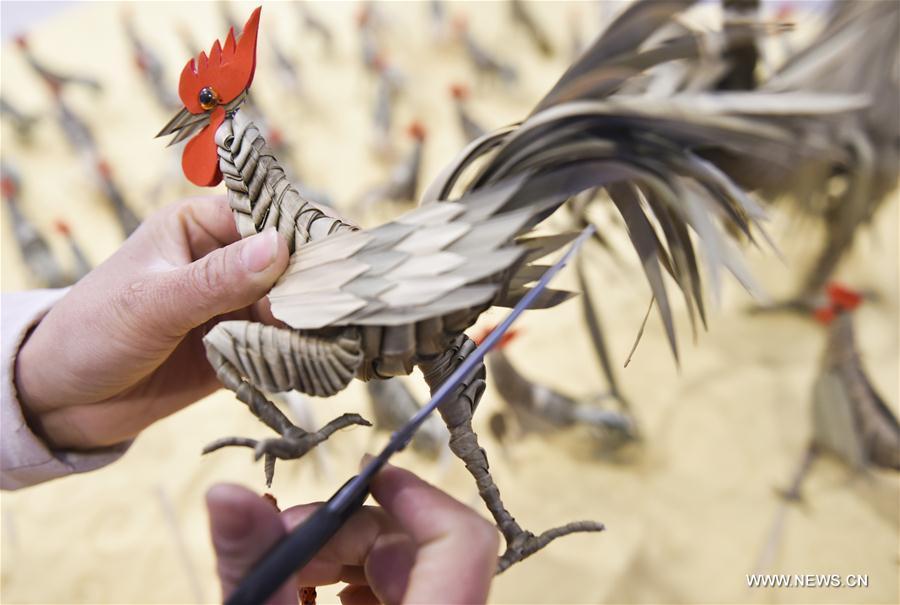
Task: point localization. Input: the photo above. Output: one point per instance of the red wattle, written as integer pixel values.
(843, 297)
(200, 161)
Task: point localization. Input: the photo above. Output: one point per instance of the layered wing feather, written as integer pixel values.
(431, 261)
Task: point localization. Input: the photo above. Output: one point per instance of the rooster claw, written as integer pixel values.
(293, 443)
(525, 543)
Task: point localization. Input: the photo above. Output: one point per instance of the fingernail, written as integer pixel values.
(232, 523)
(258, 251)
(229, 520)
(367, 458)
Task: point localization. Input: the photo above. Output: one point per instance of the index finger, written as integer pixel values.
(204, 223)
(456, 548)
(342, 558)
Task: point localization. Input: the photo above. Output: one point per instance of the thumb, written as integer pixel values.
(225, 280)
(243, 527)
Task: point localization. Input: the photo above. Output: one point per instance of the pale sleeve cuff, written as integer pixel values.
(24, 458)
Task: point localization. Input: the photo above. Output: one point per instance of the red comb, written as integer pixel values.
(362, 17)
(507, 337)
(275, 138)
(840, 299)
(104, 169)
(843, 297)
(8, 187)
(379, 62)
(228, 69)
(824, 315)
(785, 12)
(459, 91)
(416, 130)
(22, 42)
(62, 227)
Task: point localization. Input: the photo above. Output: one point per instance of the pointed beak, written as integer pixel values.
(184, 124)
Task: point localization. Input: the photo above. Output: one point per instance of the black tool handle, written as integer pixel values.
(297, 548)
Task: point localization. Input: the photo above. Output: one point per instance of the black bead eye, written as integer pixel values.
(208, 98)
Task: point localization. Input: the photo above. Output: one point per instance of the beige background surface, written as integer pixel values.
(687, 513)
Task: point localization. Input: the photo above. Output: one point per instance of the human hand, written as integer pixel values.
(123, 348)
(420, 546)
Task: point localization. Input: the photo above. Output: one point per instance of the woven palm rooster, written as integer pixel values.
(857, 52)
(850, 419)
(376, 303)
